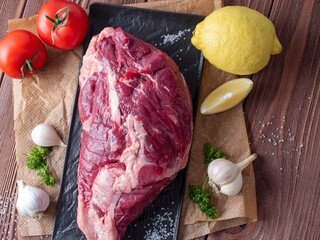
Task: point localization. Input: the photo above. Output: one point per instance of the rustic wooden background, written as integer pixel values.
(282, 114)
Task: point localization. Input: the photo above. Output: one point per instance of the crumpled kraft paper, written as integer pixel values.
(48, 97)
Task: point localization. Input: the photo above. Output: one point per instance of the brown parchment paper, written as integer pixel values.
(48, 97)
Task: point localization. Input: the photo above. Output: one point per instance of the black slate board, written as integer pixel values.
(170, 32)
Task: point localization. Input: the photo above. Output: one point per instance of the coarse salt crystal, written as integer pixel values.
(172, 38)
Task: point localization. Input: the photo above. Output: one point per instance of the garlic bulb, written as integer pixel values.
(45, 136)
(31, 200)
(226, 176)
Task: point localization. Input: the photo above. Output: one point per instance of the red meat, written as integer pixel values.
(136, 113)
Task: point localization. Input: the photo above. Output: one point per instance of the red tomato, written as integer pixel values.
(19, 49)
(70, 28)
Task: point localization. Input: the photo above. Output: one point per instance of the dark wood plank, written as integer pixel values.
(284, 103)
(9, 9)
(8, 172)
(287, 181)
(8, 217)
(263, 7)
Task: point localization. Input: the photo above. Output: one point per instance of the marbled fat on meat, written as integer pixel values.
(136, 113)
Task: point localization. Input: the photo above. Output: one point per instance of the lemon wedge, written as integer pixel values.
(226, 96)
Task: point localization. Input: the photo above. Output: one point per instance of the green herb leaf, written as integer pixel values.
(35, 160)
(198, 194)
(202, 198)
(44, 151)
(49, 180)
(210, 154)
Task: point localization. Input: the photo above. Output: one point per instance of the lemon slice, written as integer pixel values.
(226, 96)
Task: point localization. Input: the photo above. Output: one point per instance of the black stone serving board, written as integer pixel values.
(170, 32)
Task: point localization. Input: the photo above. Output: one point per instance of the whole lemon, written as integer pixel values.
(237, 39)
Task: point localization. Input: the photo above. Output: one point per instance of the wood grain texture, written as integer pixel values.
(9, 9)
(283, 105)
(287, 182)
(263, 7)
(8, 215)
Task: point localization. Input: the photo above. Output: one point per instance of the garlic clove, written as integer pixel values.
(226, 176)
(234, 187)
(222, 171)
(31, 200)
(44, 135)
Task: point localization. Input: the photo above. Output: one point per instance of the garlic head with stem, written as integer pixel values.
(31, 201)
(45, 136)
(226, 177)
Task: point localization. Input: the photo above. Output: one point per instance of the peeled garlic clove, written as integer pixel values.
(31, 200)
(44, 135)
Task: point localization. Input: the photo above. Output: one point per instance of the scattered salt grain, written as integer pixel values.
(162, 226)
(172, 38)
(281, 169)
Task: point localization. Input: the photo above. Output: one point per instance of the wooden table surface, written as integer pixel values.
(282, 105)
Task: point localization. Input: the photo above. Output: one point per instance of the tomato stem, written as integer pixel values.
(28, 66)
(59, 21)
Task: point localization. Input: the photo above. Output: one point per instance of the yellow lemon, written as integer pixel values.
(237, 40)
(226, 96)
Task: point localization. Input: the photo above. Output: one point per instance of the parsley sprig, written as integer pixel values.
(198, 194)
(36, 159)
(211, 153)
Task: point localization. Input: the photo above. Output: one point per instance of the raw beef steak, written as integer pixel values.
(136, 114)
